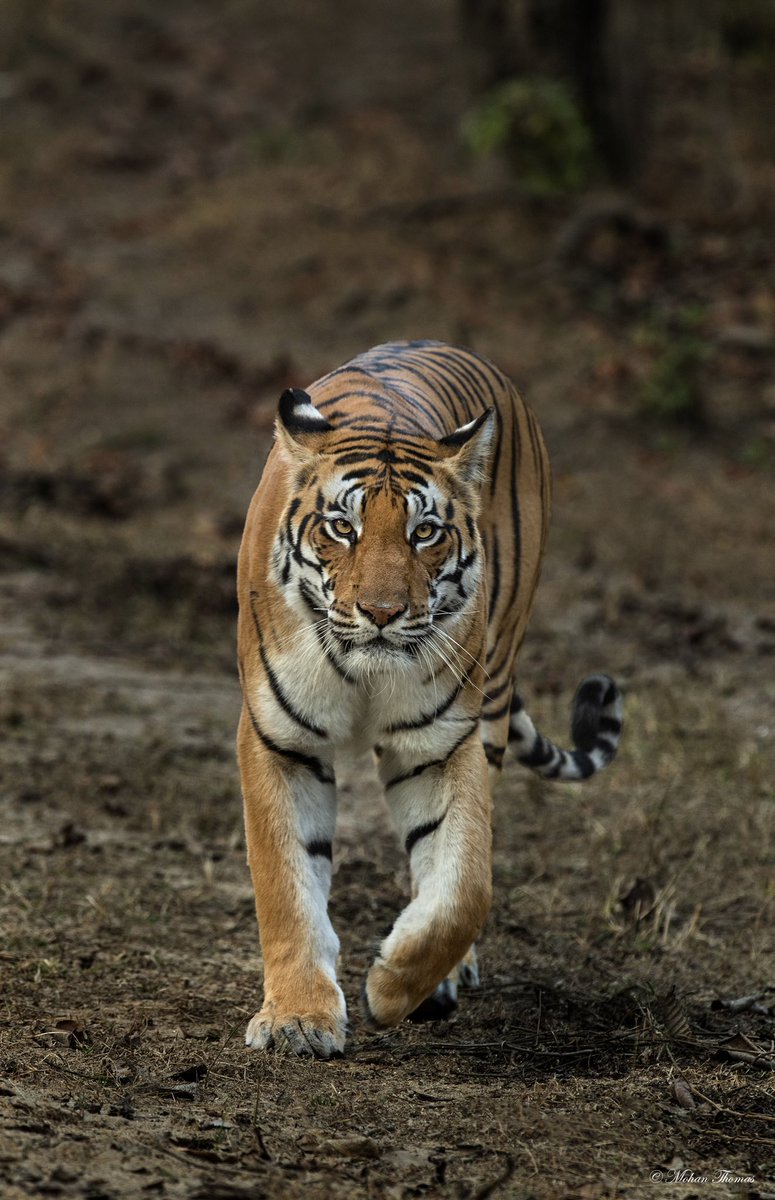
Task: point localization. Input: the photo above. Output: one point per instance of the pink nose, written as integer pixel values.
(380, 614)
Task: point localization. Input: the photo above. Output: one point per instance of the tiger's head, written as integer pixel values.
(379, 542)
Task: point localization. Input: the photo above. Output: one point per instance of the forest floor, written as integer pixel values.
(197, 210)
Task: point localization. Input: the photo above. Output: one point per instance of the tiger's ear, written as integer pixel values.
(299, 425)
(471, 446)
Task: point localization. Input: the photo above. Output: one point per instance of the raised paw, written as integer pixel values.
(468, 970)
(386, 998)
(439, 1005)
(312, 1035)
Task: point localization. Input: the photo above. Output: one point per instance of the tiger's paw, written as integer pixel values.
(388, 996)
(468, 970)
(391, 994)
(308, 1035)
(443, 1001)
(439, 1005)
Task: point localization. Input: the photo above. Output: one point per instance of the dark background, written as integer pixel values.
(199, 206)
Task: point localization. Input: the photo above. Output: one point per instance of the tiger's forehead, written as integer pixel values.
(340, 490)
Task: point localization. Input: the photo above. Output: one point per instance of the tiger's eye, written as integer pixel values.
(424, 531)
(342, 527)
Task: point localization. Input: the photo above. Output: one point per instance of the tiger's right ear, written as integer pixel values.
(299, 424)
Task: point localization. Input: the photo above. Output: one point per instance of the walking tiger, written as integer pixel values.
(386, 575)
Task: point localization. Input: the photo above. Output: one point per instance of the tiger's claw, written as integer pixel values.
(310, 1036)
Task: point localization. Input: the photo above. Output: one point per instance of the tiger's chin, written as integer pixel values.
(379, 656)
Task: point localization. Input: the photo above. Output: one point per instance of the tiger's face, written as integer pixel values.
(379, 544)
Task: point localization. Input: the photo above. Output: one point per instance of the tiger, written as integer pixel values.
(386, 575)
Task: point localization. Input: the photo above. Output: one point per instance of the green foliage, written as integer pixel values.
(274, 144)
(672, 391)
(758, 451)
(536, 124)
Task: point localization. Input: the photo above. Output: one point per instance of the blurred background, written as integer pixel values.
(202, 204)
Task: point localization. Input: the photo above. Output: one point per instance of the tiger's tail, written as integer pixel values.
(596, 729)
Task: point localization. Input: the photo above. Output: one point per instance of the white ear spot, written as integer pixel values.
(472, 443)
(463, 432)
(299, 415)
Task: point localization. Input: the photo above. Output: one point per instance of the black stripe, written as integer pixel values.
(389, 372)
(283, 701)
(361, 473)
(323, 849)
(412, 477)
(436, 762)
(494, 754)
(516, 521)
(434, 376)
(274, 683)
(497, 712)
(540, 755)
(331, 658)
(532, 425)
(495, 575)
(440, 381)
(539, 458)
(497, 692)
(421, 831)
(314, 765)
(428, 718)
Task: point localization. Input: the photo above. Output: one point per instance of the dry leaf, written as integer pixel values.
(69, 1033)
(682, 1093)
(739, 1042)
(353, 1147)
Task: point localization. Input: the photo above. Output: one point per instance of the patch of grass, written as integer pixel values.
(536, 125)
(758, 451)
(274, 144)
(672, 392)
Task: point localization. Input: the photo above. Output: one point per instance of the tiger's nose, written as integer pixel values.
(380, 614)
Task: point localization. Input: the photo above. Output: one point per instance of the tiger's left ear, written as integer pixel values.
(471, 444)
(299, 424)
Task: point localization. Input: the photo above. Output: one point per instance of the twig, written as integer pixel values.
(730, 1137)
(732, 1112)
(263, 1153)
(206, 1164)
(487, 1189)
(756, 1060)
(218, 1054)
(745, 1003)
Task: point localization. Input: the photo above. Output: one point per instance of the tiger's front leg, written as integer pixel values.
(290, 813)
(443, 816)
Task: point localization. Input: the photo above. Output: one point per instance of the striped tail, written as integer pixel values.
(596, 728)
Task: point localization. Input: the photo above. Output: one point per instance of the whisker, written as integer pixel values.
(297, 633)
(443, 633)
(460, 673)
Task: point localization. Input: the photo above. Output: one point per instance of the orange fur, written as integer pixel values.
(285, 743)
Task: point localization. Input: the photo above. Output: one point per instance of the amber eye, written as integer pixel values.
(424, 532)
(342, 527)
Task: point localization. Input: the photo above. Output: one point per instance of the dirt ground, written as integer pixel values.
(200, 205)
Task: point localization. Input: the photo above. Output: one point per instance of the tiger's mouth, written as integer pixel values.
(379, 646)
